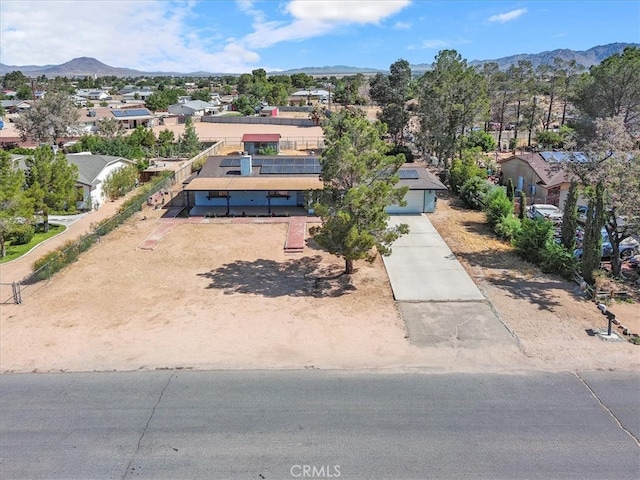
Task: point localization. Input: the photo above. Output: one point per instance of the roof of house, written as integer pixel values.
(418, 178)
(287, 173)
(132, 113)
(549, 166)
(261, 137)
(90, 166)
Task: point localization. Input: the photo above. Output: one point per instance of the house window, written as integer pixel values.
(217, 194)
(278, 193)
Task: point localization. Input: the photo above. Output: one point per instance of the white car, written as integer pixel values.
(542, 210)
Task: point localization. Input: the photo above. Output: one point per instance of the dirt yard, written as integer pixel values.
(550, 316)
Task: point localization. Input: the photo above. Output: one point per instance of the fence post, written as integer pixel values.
(17, 294)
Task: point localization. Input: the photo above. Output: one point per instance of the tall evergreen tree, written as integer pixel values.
(570, 217)
(359, 183)
(14, 206)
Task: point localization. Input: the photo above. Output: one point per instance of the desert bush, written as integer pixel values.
(532, 240)
(474, 191)
(497, 206)
(557, 259)
(508, 227)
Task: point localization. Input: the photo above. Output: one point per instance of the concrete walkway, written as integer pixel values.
(422, 267)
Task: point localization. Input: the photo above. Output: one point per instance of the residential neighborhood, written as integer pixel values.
(472, 220)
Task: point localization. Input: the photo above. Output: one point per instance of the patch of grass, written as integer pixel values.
(16, 251)
(232, 114)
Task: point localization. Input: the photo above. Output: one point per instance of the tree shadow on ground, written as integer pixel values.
(300, 277)
(480, 228)
(537, 291)
(494, 259)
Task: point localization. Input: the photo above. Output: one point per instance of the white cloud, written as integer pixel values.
(313, 18)
(161, 35)
(402, 26)
(507, 17)
(433, 44)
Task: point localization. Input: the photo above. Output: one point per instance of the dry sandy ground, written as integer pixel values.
(220, 296)
(549, 316)
(215, 296)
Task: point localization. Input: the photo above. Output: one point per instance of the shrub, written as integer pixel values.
(21, 234)
(557, 259)
(532, 240)
(497, 206)
(271, 151)
(462, 169)
(508, 228)
(474, 191)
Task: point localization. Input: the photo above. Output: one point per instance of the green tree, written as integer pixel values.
(245, 104)
(14, 205)
(51, 183)
(612, 89)
(570, 217)
(52, 117)
(119, 182)
(466, 167)
(203, 94)
(451, 97)
(14, 80)
(592, 240)
(511, 190)
(392, 92)
(479, 138)
(189, 141)
(359, 183)
(110, 127)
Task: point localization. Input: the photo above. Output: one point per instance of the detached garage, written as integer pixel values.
(421, 197)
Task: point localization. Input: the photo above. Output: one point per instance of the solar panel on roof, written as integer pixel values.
(408, 174)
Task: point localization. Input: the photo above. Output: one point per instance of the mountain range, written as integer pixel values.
(86, 66)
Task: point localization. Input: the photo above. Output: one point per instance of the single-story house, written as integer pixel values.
(92, 171)
(92, 94)
(192, 108)
(309, 95)
(134, 117)
(136, 95)
(14, 106)
(254, 142)
(267, 185)
(423, 189)
(542, 176)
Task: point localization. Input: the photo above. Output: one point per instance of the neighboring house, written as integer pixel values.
(98, 95)
(92, 171)
(191, 108)
(309, 95)
(254, 142)
(542, 176)
(133, 117)
(15, 106)
(267, 185)
(137, 95)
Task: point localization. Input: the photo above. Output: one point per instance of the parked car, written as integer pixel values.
(628, 248)
(542, 210)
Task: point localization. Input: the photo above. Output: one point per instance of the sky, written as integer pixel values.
(222, 36)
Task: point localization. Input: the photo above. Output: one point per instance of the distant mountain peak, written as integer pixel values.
(89, 66)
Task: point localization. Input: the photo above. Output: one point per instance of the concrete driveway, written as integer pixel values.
(440, 304)
(422, 268)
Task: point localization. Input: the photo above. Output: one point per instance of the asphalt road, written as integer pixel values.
(317, 424)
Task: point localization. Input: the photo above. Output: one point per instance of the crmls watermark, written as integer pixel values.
(315, 471)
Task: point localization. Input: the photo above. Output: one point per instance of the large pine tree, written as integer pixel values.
(359, 183)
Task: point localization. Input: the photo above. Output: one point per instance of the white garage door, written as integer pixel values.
(415, 203)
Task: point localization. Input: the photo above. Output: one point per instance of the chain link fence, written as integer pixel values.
(58, 259)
